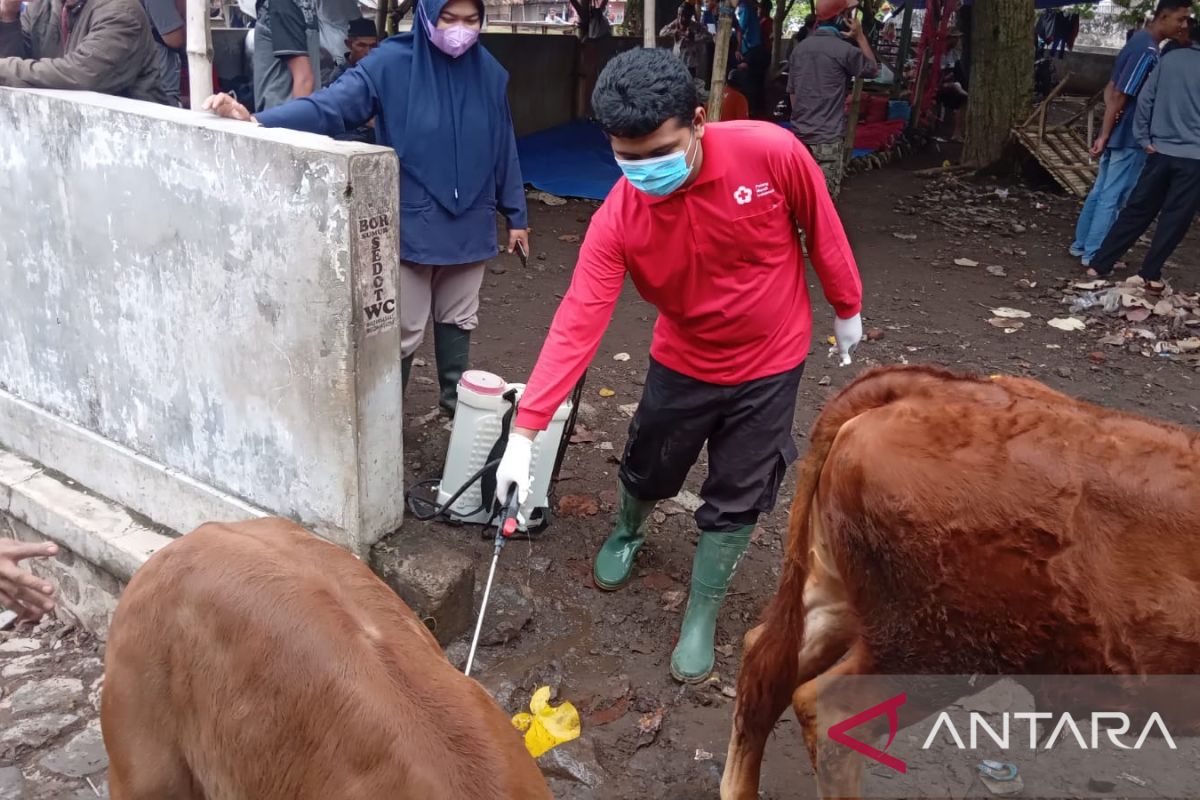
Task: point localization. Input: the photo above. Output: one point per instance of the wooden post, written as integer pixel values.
(902, 52)
(852, 127)
(381, 17)
(716, 90)
(649, 31)
(199, 53)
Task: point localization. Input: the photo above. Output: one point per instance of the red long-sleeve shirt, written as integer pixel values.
(721, 261)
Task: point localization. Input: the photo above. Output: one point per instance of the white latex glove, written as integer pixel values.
(514, 468)
(848, 333)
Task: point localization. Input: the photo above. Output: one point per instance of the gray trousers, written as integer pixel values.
(451, 293)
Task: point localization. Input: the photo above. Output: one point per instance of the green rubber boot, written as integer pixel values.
(405, 371)
(614, 562)
(717, 558)
(452, 350)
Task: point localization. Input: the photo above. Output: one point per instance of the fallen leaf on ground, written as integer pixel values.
(578, 505)
(650, 724)
(824, 381)
(1137, 314)
(688, 501)
(725, 650)
(606, 392)
(621, 357)
(628, 410)
(609, 715)
(998, 271)
(1090, 285)
(873, 334)
(966, 262)
(1006, 324)
(569, 237)
(673, 599)
(1113, 339)
(703, 755)
(1010, 313)
(1067, 324)
(906, 237)
(1163, 308)
(581, 435)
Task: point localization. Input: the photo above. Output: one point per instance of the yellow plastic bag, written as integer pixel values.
(548, 726)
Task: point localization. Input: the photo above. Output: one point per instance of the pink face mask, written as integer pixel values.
(454, 40)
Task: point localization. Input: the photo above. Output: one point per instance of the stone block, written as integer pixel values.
(52, 694)
(33, 732)
(436, 581)
(83, 755)
(12, 784)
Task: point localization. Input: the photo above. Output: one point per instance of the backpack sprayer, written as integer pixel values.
(482, 422)
(466, 493)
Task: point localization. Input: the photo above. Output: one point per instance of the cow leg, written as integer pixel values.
(837, 768)
(766, 682)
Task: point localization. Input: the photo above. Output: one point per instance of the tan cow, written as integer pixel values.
(954, 525)
(253, 661)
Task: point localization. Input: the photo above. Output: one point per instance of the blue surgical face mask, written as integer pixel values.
(662, 175)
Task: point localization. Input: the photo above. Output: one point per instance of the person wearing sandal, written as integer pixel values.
(1167, 126)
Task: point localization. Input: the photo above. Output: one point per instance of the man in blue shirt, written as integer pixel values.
(1167, 126)
(752, 53)
(1120, 157)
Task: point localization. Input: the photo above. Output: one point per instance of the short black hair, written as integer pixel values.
(1165, 6)
(687, 10)
(641, 89)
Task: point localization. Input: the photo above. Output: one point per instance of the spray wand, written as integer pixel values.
(505, 528)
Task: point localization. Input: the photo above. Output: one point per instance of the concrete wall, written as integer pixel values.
(1090, 70)
(185, 310)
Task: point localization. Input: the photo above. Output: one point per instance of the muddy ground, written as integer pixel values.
(643, 735)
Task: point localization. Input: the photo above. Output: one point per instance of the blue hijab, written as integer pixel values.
(441, 114)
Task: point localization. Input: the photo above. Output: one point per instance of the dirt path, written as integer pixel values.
(645, 736)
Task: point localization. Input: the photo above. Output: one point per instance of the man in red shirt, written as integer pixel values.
(707, 222)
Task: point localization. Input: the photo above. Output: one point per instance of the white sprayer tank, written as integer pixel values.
(477, 424)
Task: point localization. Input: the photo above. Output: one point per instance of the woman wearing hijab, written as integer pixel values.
(439, 99)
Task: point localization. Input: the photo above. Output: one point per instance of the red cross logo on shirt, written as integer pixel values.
(743, 195)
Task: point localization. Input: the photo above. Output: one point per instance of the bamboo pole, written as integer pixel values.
(853, 126)
(649, 31)
(199, 53)
(720, 67)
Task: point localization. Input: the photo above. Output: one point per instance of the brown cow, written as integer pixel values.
(253, 661)
(954, 525)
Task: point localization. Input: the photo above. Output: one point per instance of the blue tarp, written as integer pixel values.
(572, 160)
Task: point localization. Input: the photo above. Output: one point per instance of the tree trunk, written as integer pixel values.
(782, 9)
(1001, 77)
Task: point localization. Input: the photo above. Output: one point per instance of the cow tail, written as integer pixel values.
(770, 662)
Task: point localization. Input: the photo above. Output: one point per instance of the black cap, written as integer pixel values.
(362, 27)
